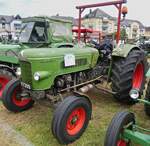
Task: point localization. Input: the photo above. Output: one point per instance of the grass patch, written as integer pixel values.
(35, 124)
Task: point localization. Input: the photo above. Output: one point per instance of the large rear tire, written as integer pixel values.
(147, 97)
(12, 100)
(71, 118)
(5, 77)
(128, 73)
(116, 127)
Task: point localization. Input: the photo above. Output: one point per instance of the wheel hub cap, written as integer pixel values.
(75, 121)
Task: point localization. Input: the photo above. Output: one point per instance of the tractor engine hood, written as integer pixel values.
(48, 53)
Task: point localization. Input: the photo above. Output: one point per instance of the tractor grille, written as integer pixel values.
(80, 62)
(26, 74)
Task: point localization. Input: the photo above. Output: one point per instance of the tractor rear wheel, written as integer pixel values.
(12, 100)
(115, 129)
(71, 118)
(5, 77)
(147, 97)
(129, 73)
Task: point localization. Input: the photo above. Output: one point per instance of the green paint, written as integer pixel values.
(148, 73)
(137, 137)
(123, 50)
(51, 61)
(9, 52)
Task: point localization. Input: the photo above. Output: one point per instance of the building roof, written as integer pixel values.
(128, 22)
(8, 19)
(147, 28)
(97, 13)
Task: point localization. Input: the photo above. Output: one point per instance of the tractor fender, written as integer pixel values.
(77, 93)
(8, 68)
(124, 50)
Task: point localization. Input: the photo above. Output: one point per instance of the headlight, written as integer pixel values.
(18, 71)
(134, 94)
(37, 76)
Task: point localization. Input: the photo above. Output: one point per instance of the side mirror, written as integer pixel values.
(134, 94)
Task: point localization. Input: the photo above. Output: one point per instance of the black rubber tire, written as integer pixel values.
(122, 74)
(116, 126)
(7, 74)
(7, 97)
(147, 97)
(61, 115)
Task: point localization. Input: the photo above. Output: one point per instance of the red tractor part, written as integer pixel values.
(85, 33)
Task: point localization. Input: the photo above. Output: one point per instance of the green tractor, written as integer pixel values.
(36, 32)
(123, 129)
(63, 76)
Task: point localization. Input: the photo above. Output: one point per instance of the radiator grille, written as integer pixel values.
(26, 74)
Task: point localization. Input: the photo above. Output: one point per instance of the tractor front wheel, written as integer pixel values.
(147, 97)
(12, 100)
(71, 118)
(128, 73)
(116, 127)
(5, 77)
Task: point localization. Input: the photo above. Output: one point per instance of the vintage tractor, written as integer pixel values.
(54, 73)
(36, 32)
(123, 130)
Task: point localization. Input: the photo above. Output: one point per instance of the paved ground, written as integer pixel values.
(10, 137)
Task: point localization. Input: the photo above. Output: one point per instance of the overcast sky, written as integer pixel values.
(138, 9)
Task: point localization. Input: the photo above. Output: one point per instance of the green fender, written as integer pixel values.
(123, 50)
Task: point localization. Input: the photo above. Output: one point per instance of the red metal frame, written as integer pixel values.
(85, 31)
(117, 4)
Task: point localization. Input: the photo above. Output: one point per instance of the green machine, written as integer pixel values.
(123, 129)
(63, 76)
(36, 32)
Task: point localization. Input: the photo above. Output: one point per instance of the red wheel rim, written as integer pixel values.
(138, 76)
(20, 102)
(76, 121)
(121, 143)
(3, 83)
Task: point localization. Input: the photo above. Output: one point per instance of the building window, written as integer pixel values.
(17, 26)
(3, 25)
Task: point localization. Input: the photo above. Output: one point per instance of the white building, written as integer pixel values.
(10, 26)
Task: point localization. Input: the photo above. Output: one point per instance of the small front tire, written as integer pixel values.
(11, 99)
(71, 118)
(116, 127)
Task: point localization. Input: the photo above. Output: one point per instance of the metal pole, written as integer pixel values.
(79, 31)
(119, 23)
